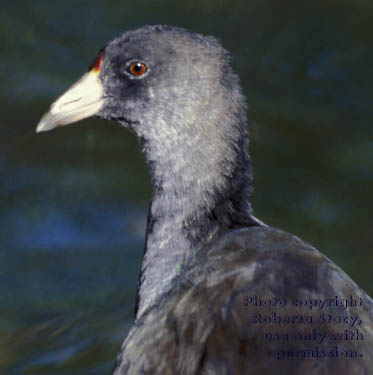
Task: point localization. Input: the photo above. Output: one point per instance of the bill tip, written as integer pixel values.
(45, 123)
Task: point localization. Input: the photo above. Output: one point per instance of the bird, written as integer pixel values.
(219, 291)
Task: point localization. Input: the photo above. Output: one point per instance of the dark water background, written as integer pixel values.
(73, 201)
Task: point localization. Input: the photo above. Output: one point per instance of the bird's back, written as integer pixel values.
(255, 301)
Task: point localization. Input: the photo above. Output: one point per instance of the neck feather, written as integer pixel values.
(196, 197)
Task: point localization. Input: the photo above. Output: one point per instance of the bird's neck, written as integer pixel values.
(193, 201)
(201, 179)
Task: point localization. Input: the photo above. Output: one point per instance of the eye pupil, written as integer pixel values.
(137, 69)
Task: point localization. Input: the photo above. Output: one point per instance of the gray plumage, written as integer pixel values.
(205, 252)
(202, 326)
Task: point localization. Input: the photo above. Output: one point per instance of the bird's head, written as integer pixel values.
(151, 80)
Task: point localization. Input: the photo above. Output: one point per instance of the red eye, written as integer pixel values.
(137, 69)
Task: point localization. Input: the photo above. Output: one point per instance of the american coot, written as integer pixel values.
(219, 291)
